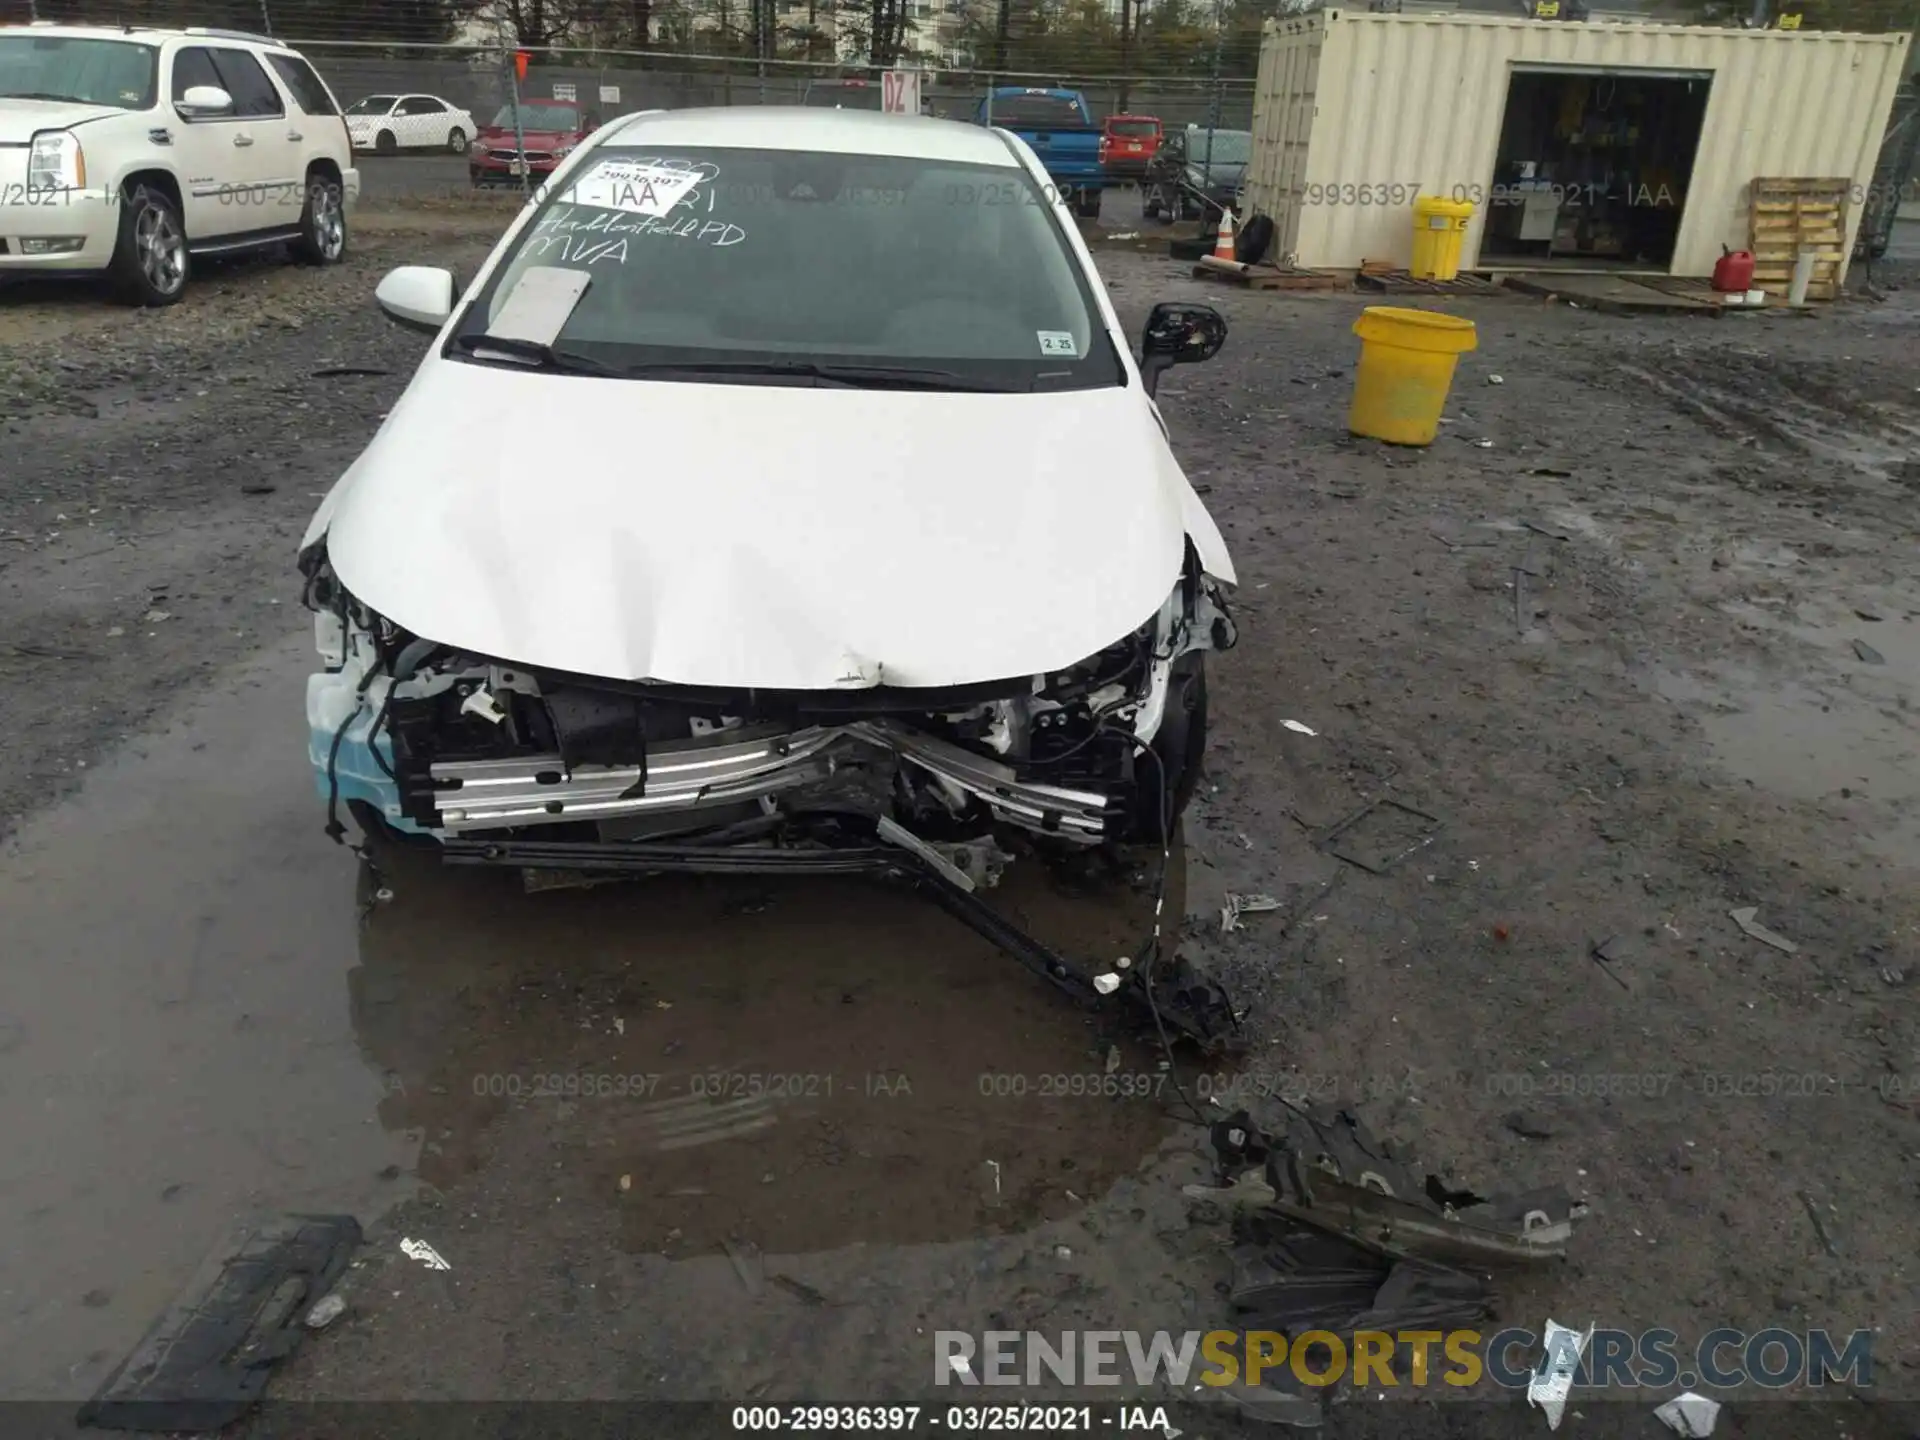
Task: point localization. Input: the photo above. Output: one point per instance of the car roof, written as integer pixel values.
(794, 127)
(145, 34)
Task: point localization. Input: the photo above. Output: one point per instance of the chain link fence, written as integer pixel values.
(618, 83)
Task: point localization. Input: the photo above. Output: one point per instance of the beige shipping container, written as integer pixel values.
(1356, 114)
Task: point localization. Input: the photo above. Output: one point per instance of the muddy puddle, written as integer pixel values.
(804, 1065)
(211, 1012)
(1840, 728)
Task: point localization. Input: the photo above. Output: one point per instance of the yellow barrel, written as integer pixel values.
(1439, 230)
(1406, 369)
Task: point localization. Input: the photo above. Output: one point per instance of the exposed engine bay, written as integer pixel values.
(453, 744)
(511, 765)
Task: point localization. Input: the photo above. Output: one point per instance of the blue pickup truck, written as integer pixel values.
(1063, 133)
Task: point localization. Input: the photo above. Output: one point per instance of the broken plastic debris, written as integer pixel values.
(1062, 1252)
(325, 1311)
(748, 1264)
(482, 703)
(1867, 653)
(1744, 918)
(626, 1182)
(154, 617)
(1549, 1385)
(1298, 728)
(423, 1252)
(1238, 905)
(1106, 984)
(1689, 1415)
(1496, 379)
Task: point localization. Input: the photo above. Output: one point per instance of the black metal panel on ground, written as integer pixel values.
(206, 1361)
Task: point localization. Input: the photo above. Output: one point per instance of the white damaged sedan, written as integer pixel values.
(781, 491)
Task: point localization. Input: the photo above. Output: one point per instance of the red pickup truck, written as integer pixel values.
(1127, 143)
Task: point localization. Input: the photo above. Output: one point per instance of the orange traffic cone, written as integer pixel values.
(1223, 239)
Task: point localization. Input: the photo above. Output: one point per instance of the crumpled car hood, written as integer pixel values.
(775, 537)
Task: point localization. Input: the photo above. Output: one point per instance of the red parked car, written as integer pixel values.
(550, 130)
(1127, 143)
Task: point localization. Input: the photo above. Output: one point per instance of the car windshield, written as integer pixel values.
(844, 97)
(1135, 129)
(562, 119)
(1024, 111)
(952, 276)
(91, 72)
(1230, 147)
(372, 105)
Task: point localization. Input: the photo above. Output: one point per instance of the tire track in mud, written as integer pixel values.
(1755, 404)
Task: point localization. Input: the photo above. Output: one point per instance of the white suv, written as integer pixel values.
(129, 151)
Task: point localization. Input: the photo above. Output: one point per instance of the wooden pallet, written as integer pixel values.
(1791, 216)
(1262, 277)
(1401, 282)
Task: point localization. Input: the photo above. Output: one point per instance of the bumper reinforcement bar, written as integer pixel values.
(1175, 995)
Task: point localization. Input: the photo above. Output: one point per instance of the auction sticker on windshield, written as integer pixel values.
(637, 187)
(1057, 342)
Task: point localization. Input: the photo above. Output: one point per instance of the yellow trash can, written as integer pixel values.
(1439, 231)
(1406, 369)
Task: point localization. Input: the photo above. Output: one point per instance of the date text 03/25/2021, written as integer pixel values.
(952, 1419)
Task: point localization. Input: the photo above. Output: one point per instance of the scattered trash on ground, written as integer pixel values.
(1551, 472)
(207, 1359)
(1819, 1224)
(1744, 918)
(423, 1252)
(1238, 905)
(1528, 1126)
(800, 1290)
(1496, 379)
(325, 1311)
(1332, 1231)
(1298, 728)
(1380, 834)
(1550, 1383)
(1610, 953)
(626, 1182)
(154, 617)
(749, 1265)
(1872, 617)
(1867, 653)
(1689, 1416)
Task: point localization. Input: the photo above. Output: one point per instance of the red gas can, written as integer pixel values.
(1733, 271)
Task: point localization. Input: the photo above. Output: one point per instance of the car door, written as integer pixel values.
(267, 158)
(204, 150)
(425, 123)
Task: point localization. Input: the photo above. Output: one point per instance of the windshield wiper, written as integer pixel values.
(852, 377)
(531, 353)
(41, 95)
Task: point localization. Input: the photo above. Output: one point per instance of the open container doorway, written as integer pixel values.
(1593, 167)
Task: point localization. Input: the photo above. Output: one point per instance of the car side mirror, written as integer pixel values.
(418, 297)
(203, 101)
(1178, 334)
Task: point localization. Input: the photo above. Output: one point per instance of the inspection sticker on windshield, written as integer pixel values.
(1057, 342)
(639, 188)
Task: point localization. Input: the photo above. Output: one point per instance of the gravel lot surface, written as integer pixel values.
(1701, 699)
